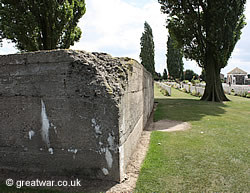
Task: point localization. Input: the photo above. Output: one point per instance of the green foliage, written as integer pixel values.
(185, 81)
(183, 90)
(246, 94)
(165, 75)
(157, 76)
(164, 92)
(194, 82)
(41, 24)
(203, 75)
(147, 49)
(196, 25)
(190, 74)
(207, 32)
(193, 93)
(174, 60)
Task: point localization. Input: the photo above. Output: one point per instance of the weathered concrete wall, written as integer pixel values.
(71, 112)
(135, 108)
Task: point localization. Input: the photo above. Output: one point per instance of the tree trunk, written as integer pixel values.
(213, 90)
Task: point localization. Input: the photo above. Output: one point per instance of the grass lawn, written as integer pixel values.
(213, 156)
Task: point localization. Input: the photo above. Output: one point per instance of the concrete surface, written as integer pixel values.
(71, 113)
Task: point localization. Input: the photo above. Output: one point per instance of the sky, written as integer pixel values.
(116, 26)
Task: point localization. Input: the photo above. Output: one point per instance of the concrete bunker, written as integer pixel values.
(68, 112)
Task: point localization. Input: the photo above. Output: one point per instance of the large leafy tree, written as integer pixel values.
(147, 49)
(41, 24)
(174, 59)
(208, 31)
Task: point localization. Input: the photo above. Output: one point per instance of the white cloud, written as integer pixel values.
(192, 65)
(116, 27)
(247, 10)
(233, 63)
(108, 23)
(8, 48)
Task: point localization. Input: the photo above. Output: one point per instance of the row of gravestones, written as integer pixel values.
(237, 89)
(188, 87)
(165, 87)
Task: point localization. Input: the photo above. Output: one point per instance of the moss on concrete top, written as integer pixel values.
(111, 72)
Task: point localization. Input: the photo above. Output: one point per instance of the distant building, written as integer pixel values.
(237, 76)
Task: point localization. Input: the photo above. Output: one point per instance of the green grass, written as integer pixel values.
(213, 156)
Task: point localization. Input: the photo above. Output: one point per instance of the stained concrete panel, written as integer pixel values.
(67, 112)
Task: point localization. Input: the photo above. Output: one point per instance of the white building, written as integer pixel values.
(237, 76)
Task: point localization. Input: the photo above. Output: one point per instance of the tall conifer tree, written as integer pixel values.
(147, 49)
(174, 60)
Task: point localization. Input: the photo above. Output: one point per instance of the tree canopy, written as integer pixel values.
(174, 59)
(41, 24)
(207, 31)
(190, 74)
(147, 49)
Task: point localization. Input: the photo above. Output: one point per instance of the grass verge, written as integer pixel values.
(212, 156)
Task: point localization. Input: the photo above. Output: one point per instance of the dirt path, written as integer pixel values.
(170, 125)
(134, 166)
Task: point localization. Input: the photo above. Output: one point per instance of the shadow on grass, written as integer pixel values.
(186, 109)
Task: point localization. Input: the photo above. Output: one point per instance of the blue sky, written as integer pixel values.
(115, 27)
